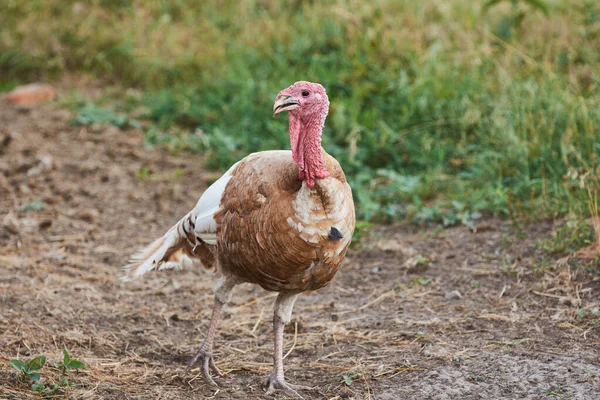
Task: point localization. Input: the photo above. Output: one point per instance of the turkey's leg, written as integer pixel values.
(283, 313)
(204, 354)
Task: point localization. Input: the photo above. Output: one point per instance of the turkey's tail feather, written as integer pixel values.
(173, 250)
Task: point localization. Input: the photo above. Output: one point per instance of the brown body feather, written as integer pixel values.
(274, 231)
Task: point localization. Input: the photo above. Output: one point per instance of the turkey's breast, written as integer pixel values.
(275, 231)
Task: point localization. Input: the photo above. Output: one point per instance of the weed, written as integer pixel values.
(53, 388)
(144, 173)
(420, 281)
(505, 240)
(36, 205)
(558, 393)
(92, 114)
(568, 237)
(29, 369)
(509, 267)
(349, 377)
(69, 363)
(29, 372)
(591, 316)
(476, 378)
(540, 266)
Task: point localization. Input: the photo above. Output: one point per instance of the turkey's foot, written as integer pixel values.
(206, 362)
(277, 383)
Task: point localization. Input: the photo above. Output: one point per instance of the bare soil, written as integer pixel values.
(415, 313)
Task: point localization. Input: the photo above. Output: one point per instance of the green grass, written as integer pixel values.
(441, 111)
(569, 237)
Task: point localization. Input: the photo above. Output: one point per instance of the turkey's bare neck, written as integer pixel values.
(305, 139)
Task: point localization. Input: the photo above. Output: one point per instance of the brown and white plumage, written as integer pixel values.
(279, 219)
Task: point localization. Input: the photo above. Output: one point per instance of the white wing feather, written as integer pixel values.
(207, 206)
(167, 251)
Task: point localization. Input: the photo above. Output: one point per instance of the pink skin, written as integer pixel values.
(307, 105)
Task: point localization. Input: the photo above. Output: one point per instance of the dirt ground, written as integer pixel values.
(413, 314)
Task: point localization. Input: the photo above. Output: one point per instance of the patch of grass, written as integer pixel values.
(556, 393)
(420, 281)
(540, 266)
(29, 372)
(441, 112)
(591, 316)
(92, 114)
(568, 237)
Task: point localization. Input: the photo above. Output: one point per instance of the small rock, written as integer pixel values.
(455, 294)
(5, 142)
(90, 215)
(11, 228)
(56, 255)
(47, 223)
(31, 94)
(46, 162)
(568, 301)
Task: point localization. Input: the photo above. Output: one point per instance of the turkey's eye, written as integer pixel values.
(305, 93)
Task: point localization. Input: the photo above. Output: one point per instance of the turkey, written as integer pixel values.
(279, 219)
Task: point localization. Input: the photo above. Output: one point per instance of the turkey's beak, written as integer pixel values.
(284, 103)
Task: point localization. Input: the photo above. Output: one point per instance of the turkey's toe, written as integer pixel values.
(275, 384)
(206, 363)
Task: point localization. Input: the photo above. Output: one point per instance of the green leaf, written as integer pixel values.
(66, 357)
(348, 377)
(33, 206)
(423, 280)
(75, 364)
(38, 387)
(37, 363)
(34, 377)
(18, 365)
(92, 114)
(347, 380)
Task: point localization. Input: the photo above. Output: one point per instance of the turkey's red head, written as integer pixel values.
(307, 104)
(303, 99)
